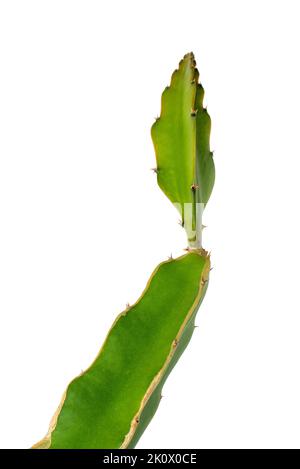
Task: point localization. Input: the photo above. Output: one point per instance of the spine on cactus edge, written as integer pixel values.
(112, 402)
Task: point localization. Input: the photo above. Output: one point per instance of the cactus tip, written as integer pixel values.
(189, 55)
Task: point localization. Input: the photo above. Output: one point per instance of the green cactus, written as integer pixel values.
(112, 402)
(185, 167)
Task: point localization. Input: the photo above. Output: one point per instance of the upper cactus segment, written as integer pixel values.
(185, 167)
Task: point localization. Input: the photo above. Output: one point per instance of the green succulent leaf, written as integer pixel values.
(111, 403)
(185, 167)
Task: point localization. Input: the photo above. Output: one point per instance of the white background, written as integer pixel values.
(83, 223)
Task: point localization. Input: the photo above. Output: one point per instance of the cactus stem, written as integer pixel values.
(171, 137)
(96, 410)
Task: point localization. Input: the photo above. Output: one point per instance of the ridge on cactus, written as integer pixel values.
(112, 402)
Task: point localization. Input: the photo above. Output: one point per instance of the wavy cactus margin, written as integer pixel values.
(113, 401)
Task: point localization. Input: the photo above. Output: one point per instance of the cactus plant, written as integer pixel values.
(112, 402)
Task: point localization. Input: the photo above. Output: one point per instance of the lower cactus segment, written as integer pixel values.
(112, 402)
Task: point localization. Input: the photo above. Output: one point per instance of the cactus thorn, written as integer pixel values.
(155, 170)
(203, 281)
(127, 305)
(204, 226)
(181, 223)
(194, 187)
(137, 420)
(187, 249)
(170, 257)
(194, 112)
(175, 343)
